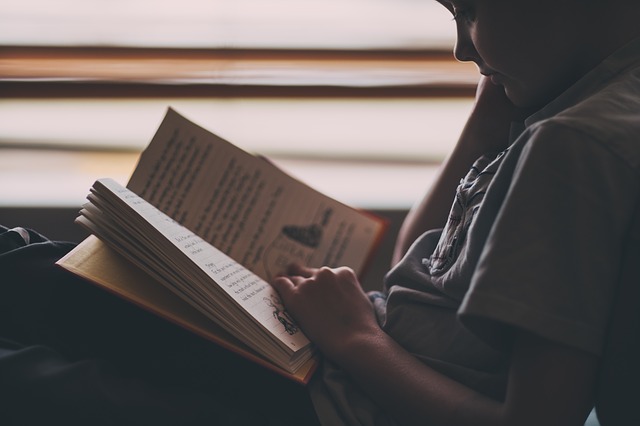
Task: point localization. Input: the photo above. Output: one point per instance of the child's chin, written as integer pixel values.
(525, 100)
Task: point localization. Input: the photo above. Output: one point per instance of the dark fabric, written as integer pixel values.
(71, 353)
(618, 392)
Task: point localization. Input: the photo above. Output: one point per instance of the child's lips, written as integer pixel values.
(495, 78)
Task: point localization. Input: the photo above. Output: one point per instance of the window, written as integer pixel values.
(339, 92)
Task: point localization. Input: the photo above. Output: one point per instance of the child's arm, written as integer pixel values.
(549, 383)
(486, 130)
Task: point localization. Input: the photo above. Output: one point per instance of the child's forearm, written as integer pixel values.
(432, 210)
(549, 384)
(487, 130)
(410, 392)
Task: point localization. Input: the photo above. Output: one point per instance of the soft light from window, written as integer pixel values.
(308, 24)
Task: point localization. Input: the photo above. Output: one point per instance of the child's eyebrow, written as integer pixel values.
(446, 4)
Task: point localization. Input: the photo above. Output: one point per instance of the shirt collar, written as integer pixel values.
(626, 57)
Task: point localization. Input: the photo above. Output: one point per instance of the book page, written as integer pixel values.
(249, 291)
(247, 207)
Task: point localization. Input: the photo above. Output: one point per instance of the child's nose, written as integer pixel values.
(464, 49)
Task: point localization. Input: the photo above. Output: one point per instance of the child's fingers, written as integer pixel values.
(297, 269)
(283, 285)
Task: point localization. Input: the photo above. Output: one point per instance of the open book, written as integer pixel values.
(200, 230)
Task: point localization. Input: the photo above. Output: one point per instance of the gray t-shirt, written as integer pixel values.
(534, 242)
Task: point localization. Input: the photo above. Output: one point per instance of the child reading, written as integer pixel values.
(496, 313)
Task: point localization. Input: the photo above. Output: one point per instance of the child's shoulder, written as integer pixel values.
(611, 116)
(608, 116)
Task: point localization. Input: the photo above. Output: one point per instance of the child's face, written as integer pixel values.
(535, 49)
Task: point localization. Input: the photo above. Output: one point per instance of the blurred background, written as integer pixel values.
(361, 99)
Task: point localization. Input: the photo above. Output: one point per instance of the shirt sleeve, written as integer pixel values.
(552, 257)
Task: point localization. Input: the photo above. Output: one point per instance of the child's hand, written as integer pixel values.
(492, 116)
(491, 99)
(328, 304)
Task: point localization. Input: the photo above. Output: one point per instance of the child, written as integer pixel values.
(497, 314)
